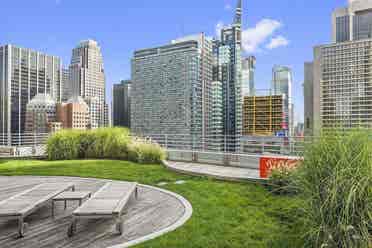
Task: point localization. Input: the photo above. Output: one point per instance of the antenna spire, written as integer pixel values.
(238, 13)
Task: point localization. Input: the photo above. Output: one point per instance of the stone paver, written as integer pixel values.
(220, 172)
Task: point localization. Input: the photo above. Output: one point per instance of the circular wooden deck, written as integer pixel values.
(154, 213)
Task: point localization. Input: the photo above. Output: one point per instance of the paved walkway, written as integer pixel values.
(155, 212)
(216, 171)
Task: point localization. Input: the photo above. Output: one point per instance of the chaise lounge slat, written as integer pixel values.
(23, 204)
(109, 201)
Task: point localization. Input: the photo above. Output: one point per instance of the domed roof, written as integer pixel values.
(42, 99)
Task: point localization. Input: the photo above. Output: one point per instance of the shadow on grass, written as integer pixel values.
(3, 160)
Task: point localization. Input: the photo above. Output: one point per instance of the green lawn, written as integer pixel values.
(225, 214)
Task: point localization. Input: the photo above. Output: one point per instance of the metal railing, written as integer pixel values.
(252, 145)
(288, 146)
(23, 144)
(23, 139)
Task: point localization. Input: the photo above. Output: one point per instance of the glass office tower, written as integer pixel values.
(228, 70)
(353, 22)
(168, 90)
(121, 103)
(24, 73)
(248, 70)
(282, 85)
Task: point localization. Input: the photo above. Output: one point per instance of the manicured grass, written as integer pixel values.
(225, 214)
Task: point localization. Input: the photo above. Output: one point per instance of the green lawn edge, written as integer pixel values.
(225, 214)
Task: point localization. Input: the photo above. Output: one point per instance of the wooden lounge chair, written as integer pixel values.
(25, 203)
(109, 201)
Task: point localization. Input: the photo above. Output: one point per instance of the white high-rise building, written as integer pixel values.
(338, 82)
(87, 79)
(170, 88)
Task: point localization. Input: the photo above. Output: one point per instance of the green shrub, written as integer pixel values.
(64, 145)
(335, 180)
(103, 143)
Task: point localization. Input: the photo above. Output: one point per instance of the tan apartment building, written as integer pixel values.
(74, 114)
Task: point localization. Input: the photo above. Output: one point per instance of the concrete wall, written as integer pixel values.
(234, 160)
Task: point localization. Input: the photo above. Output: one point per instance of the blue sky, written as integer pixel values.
(276, 32)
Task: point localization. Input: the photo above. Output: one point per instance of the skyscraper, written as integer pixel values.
(121, 94)
(308, 98)
(248, 70)
(282, 85)
(342, 81)
(206, 76)
(24, 73)
(87, 79)
(353, 22)
(167, 89)
(66, 86)
(216, 136)
(177, 88)
(341, 73)
(228, 70)
(107, 122)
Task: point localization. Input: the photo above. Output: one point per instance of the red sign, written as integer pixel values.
(267, 164)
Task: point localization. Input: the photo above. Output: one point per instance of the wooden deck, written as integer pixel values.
(152, 212)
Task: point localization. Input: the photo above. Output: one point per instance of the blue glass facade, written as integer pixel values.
(342, 28)
(228, 70)
(362, 25)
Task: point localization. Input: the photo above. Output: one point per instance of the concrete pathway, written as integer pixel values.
(215, 171)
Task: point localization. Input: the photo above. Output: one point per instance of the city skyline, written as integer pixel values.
(117, 48)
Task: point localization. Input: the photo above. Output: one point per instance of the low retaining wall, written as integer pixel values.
(23, 151)
(215, 158)
(263, 163)
(7, 151)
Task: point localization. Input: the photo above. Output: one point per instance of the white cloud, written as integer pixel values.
(276, 42)
(254, 37)
(219, 27)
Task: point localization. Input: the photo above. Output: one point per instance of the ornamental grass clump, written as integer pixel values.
(281, 177)
(108, 143)
(335, 181)
(145, 151)
(103, 143)
(63, 145)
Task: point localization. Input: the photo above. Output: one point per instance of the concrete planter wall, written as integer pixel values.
(216, 158)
